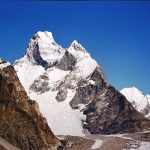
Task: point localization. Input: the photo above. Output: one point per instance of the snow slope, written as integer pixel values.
(85, 64)
(27, 73)
(140, 101)
(62, 119)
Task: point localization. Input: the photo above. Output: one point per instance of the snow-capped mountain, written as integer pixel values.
(72, 90)
(140, 101)
(70, 66)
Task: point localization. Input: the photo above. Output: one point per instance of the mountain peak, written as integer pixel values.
(140, 101)
(76, 46)
(74, 42)
(43, 50)
(44, 35)
(132, 90)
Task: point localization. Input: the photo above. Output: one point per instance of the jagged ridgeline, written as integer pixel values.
(22, 126)
(72, 91)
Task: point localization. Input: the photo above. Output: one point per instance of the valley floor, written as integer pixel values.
(134, 141)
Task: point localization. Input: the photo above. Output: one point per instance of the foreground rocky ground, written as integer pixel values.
(132, 141)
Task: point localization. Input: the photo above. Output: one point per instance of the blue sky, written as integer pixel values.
(116, 34)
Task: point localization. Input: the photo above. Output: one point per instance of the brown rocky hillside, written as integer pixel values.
(21, 123)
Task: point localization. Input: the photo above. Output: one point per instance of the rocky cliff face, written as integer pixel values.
(21, 123)
(111, 113)
(67, 62)
(76, 91)
(107, 110)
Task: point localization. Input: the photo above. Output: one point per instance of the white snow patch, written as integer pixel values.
(91, 82)
(62, 119)
(120, 136)
(46, 36)
(4, 65)
(97, 144)
(144, 146)
(55, 74)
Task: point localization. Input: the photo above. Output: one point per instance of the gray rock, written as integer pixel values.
(41, 84)
(67, 62)
(87, 91)
(61, 95)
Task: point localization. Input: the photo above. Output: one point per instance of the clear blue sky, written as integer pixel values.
(116, 34)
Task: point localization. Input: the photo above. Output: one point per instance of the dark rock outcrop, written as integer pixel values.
(40, 85)
(61, 95)
(67, 62)
(36, 56)
(112, 113)
(21, 123)
(107, 110)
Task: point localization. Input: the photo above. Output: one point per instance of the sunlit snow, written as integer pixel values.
(62, 119)
(97, 144)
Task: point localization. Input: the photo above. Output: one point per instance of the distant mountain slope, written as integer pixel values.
(72, 90)
(140, 101)
(21, 123)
